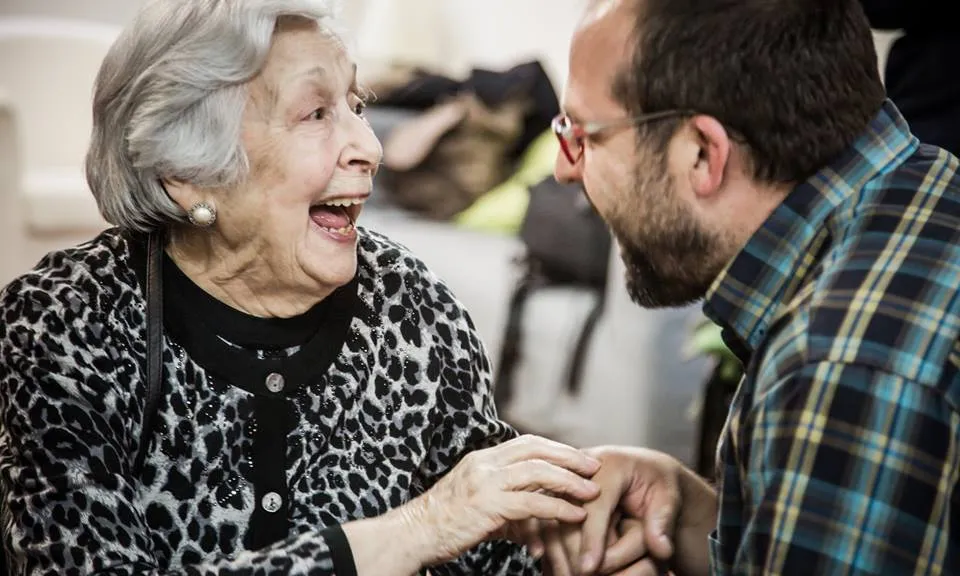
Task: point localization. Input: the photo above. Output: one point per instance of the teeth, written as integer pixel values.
(344, 202)
(344, 230)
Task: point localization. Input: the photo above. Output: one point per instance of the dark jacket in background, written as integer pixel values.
(923, 68)
(923, 73)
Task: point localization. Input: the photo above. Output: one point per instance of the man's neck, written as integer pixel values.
(749, 209)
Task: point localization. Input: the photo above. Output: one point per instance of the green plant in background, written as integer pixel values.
(706, 341)
(710, 408)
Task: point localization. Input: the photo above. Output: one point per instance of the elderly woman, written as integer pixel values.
(237, 379)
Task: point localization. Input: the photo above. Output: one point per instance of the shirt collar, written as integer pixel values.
(747, 294)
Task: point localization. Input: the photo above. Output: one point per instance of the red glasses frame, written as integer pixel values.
(572, 135)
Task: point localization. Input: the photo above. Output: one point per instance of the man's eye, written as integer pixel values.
(318, 114)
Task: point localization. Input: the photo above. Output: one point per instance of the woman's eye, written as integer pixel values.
(318, 114)
(360, 108)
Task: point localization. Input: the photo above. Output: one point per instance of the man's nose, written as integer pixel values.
(564, 171)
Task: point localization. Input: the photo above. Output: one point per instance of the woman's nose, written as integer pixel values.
(363, 150)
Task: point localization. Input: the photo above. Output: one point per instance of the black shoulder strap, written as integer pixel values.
(577, 360)
(510, 349)
(154, 344)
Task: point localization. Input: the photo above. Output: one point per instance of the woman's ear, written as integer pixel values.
(706, 177)
(183, 194)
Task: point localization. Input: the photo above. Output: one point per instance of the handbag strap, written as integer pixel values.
(154, 344)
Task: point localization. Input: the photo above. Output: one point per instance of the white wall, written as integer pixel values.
(448, 34)
(455, 35)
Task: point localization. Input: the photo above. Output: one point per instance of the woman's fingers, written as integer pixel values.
(534, 475)
(536, 448)
(526, 533)
(645, 567)
(556, 554)
(523, 505)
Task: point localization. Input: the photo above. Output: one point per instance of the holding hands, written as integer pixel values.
(610, 510)
(651, 513)
(493, 489)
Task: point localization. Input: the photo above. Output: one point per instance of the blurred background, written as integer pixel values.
(464, 94)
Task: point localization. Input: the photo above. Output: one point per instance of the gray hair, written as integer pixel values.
(169, 99)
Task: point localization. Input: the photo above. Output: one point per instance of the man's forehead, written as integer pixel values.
(597, 10)
(606, 24)
(599, 48)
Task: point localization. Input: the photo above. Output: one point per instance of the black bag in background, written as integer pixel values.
(565, 236)
(567, 244)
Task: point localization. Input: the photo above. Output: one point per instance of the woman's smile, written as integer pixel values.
(337, 217)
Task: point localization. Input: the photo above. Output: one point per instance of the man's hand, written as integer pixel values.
(559, 544)
(677, 510)
(652, 512)
(625, 552)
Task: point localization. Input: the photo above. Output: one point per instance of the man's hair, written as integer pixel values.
(797, 80)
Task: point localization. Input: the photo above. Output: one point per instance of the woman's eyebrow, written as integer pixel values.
(314, 73)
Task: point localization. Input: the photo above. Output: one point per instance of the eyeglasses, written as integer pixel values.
(572, 135)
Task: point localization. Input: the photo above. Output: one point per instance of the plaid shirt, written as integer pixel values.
(841, 453)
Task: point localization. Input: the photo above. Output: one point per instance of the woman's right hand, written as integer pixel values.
(527, 477)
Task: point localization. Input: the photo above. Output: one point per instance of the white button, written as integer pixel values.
(271, 502)
(275, 382)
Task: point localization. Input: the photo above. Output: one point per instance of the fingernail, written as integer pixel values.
(586, 564)
(535, 550)
(593, 461)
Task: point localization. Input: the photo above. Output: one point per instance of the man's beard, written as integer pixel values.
(670, 259)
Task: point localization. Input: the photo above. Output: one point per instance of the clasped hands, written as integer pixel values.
(600, 511)
(628, 527)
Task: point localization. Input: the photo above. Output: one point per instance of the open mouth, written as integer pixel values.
(337, 216)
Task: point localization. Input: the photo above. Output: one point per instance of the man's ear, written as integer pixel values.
(706, 177)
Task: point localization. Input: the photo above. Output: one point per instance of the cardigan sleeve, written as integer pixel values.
(467, 421)
(68, 415)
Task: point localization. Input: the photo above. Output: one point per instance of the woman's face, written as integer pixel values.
(312, 158)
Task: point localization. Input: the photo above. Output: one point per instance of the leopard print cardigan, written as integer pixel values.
(268, 435)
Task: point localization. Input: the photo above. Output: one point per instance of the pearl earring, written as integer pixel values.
(202, 214)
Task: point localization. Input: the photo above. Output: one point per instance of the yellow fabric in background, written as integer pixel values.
(501, 210)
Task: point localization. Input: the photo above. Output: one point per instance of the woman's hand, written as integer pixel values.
(528, 477)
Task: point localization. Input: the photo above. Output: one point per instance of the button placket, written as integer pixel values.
(271, 502)
(275, 382)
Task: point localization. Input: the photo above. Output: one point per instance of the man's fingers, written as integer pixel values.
(524, 505)
(658, 508)
(629, 548)
(594, 532)
(541, 475)
(612, 535)
(660, 521)
(536, 448)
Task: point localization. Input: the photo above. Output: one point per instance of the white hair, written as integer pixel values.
(169, 99)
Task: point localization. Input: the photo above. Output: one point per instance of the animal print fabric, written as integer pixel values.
(407, 395)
